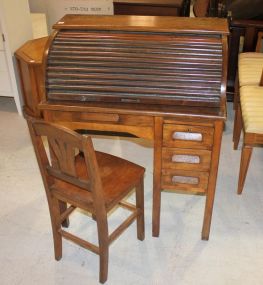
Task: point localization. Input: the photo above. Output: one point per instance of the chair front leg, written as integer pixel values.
(140, 210)
(245, 159)
(103, 237)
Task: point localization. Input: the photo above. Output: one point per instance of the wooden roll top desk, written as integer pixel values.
(158, 78)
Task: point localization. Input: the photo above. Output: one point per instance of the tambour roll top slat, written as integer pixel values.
(88, 62)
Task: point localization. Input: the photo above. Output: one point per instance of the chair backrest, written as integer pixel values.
(200, 8)
(64, 147)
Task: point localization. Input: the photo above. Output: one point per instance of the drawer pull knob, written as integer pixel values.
(183, 158)
(185, 180)
(187, 136)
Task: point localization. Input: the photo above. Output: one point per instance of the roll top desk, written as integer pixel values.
(158, 78)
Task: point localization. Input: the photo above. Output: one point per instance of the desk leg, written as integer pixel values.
(157, 165)
(156, 211)
(212, 180)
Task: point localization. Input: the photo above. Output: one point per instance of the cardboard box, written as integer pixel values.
(57, 9)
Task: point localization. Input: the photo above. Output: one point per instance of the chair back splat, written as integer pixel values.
(75, 174)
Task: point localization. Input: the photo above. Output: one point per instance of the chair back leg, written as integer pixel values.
(63, 208)
(237, 127)
(140, 209)
(236, 93)
(56, 226)
(104, 260)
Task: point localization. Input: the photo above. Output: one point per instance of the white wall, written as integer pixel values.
(57, 9)
(17, 28)
(16, 22)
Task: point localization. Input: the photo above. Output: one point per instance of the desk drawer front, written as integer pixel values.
(186, 159)
(107, 118)
(192, 181)
(184, 136)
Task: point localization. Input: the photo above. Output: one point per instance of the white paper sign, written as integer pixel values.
(57, 9)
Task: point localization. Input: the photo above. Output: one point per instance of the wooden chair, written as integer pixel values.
(83, 178)
(249, 116)
(249, 73)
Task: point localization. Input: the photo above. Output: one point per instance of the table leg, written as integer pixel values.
(157, 165)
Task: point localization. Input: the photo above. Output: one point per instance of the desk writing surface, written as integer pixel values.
(145, 23)
(137, 109)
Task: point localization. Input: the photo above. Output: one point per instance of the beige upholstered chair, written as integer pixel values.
(250, 65)
(249, 116)
(248, 103)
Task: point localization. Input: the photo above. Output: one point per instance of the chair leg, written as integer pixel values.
(56, 226)
(93, 217)
(104, 260)
(236, 93)
(63, 208)
(245, 159)
(237, 127)
(103, 237)
(140, 209)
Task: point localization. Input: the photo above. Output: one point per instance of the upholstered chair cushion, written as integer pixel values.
(251, 98)
(250, 66)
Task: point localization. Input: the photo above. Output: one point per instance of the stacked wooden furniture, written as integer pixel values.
(159, 78)
(152, 7)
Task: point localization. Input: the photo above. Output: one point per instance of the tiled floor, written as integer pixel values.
(233, 255)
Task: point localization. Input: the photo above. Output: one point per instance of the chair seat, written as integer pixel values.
(251, 99)
(118, 177)
(250, 66)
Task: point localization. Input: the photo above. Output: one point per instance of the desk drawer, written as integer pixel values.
(192, 181)
(103, 117)
(184, 136)
(186, 159)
